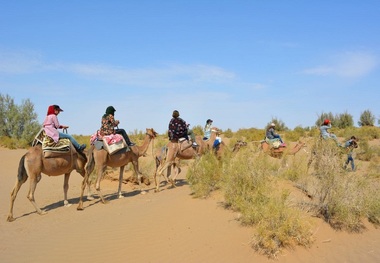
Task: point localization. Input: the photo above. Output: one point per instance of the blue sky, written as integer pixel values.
(240, 63)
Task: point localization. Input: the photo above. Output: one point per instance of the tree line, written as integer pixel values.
(20, 121)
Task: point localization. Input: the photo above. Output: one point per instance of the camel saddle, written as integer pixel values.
(275, 143)
(111, 143)
(51, 148)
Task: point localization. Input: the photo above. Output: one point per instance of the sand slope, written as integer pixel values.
(169, 226)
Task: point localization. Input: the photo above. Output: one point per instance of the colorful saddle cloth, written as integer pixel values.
(111, 143)
(48, 144)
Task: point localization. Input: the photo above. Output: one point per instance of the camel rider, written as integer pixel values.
(51, 126)
(325, 134)
(271, 134)
(109, 125)
(178, 128)
(207, 130)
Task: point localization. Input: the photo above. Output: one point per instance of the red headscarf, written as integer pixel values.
(51, 110)
(326, 122)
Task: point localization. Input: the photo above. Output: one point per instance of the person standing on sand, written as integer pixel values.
(350, 145)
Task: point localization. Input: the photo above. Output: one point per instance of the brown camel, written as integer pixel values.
(33, 163)
(169, 156)
(280, 151)
(187, 152)
(100, 159)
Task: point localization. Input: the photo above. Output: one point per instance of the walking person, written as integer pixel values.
(350, 145)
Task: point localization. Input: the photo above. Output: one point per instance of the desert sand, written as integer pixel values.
(169, 226)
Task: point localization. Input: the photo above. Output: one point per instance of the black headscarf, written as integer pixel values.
(110, 110)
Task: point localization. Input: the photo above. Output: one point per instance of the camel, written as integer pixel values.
(187, 152)
(169, 156)
(100, 159)
(280, 151)
(33, 163)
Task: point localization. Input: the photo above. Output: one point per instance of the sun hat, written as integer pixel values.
(56, 107)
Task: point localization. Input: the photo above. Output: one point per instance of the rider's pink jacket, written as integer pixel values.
(51, 124)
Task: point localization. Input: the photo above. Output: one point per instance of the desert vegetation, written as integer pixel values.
(279, 198)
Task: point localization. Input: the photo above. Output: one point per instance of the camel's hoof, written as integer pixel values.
(10, 219)
(80, 208)
(90, 198)
(143, 192)
(156, 190)
(43, 212)
(121, 196)
(66, 203)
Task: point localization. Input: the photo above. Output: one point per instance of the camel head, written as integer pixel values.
(238, 145)
(215, 129)
(151, 133)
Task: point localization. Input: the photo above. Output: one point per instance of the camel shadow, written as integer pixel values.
(75, 200)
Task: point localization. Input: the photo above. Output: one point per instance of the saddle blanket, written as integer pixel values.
(111, 143)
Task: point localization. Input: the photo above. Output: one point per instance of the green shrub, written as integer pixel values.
(204, 175)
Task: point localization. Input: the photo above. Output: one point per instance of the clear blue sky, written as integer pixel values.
(240, 63)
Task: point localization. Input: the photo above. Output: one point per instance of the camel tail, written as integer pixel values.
(22, 176)
(90, 160)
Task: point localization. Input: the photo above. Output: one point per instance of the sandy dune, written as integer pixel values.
(169, 226)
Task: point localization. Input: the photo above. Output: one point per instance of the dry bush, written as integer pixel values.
(251, 189)
(343, 199)
(204, 175)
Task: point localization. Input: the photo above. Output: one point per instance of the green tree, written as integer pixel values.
(280, 125)
(344, 120)
(19, 122)
(367, 118)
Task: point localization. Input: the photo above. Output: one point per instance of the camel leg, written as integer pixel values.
(84, 183)
(138, 174)
(157, 178)
(100, 171)
(65, 190)
(160, 172)
(176, 171)
(33, 184)
(120, 181)
(14, 192)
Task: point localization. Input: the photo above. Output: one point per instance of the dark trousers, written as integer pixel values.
(124, 134)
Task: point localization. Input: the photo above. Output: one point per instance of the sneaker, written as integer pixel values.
(283, 144)
(131, 144)
(195, 144)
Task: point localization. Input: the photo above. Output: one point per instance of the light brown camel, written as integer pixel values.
(188, 152)
(32, 164)
(100, 159)
(169, 156)
(280, 151)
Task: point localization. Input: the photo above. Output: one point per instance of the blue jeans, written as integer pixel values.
(71, 138)
(278, 137)
(350, 159)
